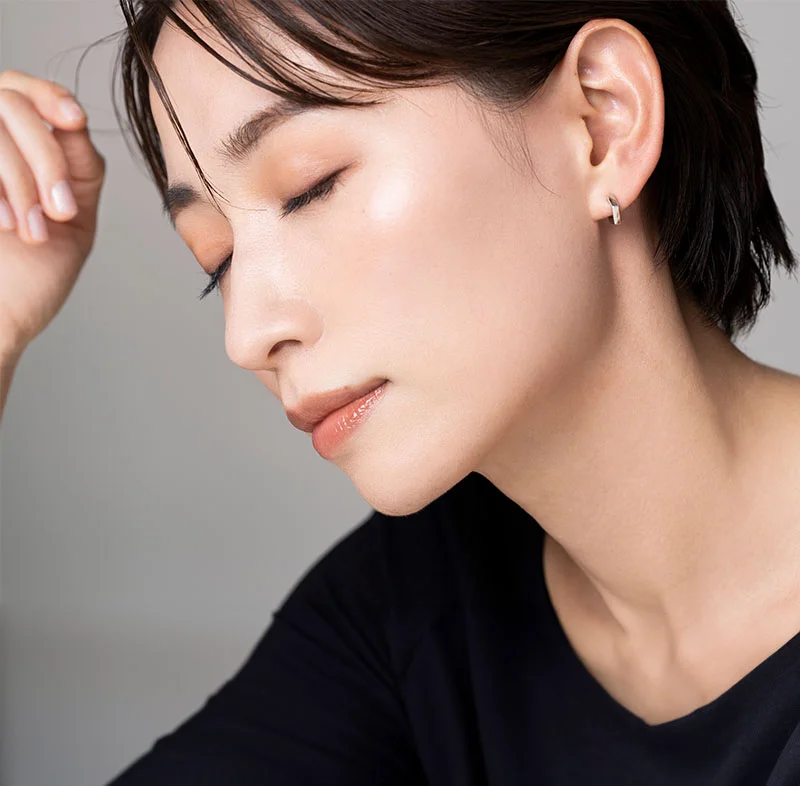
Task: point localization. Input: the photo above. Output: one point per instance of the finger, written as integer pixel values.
(7, 219)
(20, 186)
(84, 161)
(54, 102)
(42, 153)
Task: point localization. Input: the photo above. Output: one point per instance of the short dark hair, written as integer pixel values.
(718, 226)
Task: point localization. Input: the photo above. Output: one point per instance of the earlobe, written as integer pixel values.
(620, 79)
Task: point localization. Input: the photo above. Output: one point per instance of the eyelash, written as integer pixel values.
(320, 190)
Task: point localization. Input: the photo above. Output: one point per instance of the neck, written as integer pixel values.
(658, 472)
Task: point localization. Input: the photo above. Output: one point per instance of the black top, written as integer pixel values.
(424, 649)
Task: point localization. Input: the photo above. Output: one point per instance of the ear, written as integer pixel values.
(621, 99)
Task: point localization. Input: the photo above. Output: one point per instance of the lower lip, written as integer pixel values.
(336, 427)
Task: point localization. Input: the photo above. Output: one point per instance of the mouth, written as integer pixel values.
(313, 409)
(337, 426)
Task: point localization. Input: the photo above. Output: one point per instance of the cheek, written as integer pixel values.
(404, 244)
(389, 202)
(481, 276)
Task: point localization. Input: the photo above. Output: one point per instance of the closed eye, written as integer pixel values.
(319, 190)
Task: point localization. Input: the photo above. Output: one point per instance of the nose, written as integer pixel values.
(260, 326)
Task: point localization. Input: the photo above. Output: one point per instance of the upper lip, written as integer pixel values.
(317, 406)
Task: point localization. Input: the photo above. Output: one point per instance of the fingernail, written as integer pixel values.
(6, 215)
(36, 224)
(70, 109)
(63, 198)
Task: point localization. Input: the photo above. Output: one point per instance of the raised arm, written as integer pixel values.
(50, 181)
(8, 363)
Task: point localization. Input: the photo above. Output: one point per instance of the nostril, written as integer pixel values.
(279, 344)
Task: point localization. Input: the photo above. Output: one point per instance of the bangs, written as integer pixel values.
(266, 49)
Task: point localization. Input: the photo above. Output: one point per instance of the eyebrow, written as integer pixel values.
(237, 147)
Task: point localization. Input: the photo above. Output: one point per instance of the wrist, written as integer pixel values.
(10, 354)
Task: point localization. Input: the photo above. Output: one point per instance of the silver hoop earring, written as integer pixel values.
(614, 218)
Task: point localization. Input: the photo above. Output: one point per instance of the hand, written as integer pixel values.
(38, 272)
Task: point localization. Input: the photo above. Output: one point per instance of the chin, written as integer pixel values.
(399, 483)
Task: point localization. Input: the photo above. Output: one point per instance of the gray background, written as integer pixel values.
(156, 503)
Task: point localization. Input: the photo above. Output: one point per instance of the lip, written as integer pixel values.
(313, 409)
(338, 426)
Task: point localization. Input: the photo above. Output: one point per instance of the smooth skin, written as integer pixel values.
(43, 142)
(525, 337)
(37, 274)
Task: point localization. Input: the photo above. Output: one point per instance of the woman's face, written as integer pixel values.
(437, 262)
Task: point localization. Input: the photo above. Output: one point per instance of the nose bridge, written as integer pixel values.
(259, 320)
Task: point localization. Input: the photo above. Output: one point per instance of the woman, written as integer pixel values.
(493, 256)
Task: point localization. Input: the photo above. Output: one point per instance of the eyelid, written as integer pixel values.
(322, 188)
(326, 183)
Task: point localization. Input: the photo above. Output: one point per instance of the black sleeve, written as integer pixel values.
(314, 704)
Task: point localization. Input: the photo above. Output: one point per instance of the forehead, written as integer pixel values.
(208, 96)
